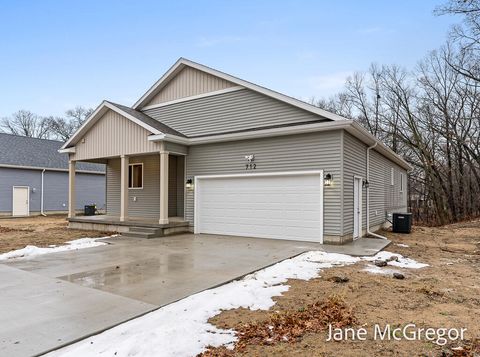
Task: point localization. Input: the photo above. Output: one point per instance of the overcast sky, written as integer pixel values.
(55, 55)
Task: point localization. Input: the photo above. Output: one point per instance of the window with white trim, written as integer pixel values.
(402, 182)
(135, 176)
(392, 176)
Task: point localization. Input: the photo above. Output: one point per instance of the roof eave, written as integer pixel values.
(349, 125)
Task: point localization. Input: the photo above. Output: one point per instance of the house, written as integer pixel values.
(34, 178)
(205, 151)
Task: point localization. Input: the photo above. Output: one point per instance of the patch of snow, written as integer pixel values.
(182, 328)
(401, 263)
(402, 245)
(373, 269)
(31, 251)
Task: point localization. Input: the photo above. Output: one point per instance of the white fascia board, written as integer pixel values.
(101, 109)
(70, 150)
(182, 62)
(193, 97)
(170, 138)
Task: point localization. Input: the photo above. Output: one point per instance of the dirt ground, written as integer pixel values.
(444, 295)
(16, 233)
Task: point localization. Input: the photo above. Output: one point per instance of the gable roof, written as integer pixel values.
(150, 124)
(26, 152)
(183, 62)
(161, 131)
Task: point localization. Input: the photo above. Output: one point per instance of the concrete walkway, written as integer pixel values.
(56, 299)
(358, 248)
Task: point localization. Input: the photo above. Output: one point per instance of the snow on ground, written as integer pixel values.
(370, 268)
(182, 328)
(402, 245)
(31, 251)
(402, 262)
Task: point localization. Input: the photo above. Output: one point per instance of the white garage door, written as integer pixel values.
(279, 206)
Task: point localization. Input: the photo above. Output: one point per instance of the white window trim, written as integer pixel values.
(136, 164)
(392, 176)
(402, 182)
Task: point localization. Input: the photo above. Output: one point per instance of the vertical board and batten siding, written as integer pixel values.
(114, 135)
(90, 188)
(189, 82)
(229, 112)
(147, 204)
(314, 151)
(384, 198)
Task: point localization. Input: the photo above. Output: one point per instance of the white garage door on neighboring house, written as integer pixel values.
(274, 205)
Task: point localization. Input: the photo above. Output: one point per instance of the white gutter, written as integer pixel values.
(41, 197)
(368, 194)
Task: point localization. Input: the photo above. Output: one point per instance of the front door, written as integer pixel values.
(20, 201)
(357, 207)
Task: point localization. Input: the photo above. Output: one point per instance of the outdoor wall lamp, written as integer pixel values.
(366, 184)
(328, 180)
(189, 184)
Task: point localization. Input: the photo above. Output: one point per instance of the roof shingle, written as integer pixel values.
(23, 151)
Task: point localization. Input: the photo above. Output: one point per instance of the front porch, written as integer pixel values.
(108, 223)
(144, 193)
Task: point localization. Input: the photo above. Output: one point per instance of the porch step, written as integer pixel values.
(144, 232)
(144, 229)
(151, 232)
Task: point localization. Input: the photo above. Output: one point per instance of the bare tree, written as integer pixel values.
(465, 35)
(63, 128)
(26, 123)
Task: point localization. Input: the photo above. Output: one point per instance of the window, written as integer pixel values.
(402, 182)
(135, 176)
(392, 176)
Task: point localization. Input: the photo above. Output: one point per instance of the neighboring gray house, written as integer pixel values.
(34, 178)
(208, 152)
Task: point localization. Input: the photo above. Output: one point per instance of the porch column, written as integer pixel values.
(123, 188)
(71, 189)
(163, 186)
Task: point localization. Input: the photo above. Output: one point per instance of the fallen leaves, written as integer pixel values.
(290, 326)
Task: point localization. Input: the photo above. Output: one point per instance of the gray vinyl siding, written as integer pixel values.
(147, 202)
(312, 151)
(228, 112)
(172, 186)
(90, 188)
(384, 198)
(176, 148)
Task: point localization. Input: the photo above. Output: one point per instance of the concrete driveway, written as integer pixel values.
(56, 299)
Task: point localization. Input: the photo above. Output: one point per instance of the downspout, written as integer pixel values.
(368, 195)
(41, 196)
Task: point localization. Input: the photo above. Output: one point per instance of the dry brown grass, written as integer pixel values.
(17, 233)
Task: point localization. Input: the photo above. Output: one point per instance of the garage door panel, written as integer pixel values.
(279, 206)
